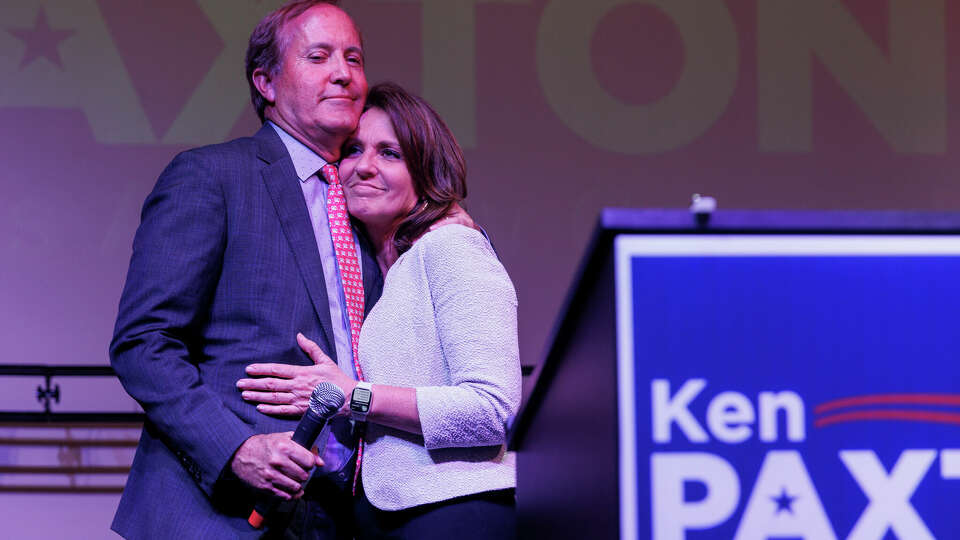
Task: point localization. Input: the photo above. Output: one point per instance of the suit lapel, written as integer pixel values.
(280, 179)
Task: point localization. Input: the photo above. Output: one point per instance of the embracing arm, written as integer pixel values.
(285, 389)
(476, 315)
(176, 263)
(475, 309)
(475, 312)
(176, 260)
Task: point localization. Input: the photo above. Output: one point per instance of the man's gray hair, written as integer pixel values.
(269, 41)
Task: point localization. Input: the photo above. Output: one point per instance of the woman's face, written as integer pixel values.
(375, 177)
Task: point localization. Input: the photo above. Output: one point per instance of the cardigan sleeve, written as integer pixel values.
(475, 308)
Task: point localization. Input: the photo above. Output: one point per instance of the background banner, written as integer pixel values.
(563, 106)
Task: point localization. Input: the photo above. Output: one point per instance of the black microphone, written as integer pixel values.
(325, 401)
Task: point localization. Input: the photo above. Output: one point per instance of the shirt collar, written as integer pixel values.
(305, 161)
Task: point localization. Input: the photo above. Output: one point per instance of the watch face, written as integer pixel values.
(360, 400)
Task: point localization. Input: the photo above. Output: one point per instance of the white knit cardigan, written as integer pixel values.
(446, 324)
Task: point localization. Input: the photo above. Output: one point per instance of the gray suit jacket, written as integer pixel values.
(224, 273)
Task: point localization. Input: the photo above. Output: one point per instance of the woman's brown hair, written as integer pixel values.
(431, 154)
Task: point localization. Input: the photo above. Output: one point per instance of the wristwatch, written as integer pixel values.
(360, 400)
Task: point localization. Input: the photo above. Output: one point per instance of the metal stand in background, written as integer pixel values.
(48, 394)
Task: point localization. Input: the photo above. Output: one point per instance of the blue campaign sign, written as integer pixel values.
(788, 386)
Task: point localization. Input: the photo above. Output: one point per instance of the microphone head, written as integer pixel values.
(326, 400)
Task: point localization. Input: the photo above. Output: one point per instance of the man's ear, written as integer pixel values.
(264, 84)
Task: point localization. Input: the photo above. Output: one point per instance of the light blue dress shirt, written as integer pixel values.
(308, 164)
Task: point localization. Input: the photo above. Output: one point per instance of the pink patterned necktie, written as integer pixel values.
(346, 252)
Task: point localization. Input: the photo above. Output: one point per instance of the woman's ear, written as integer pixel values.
(263, 81)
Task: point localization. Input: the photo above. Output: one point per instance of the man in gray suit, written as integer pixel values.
(232, 259)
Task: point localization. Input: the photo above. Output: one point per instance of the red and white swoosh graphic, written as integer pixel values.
(918, 407)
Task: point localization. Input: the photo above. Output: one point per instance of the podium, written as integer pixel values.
(751, 375)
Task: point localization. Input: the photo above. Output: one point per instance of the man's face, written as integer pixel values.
(319, 91)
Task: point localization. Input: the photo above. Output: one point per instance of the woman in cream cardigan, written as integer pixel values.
(439, 347)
